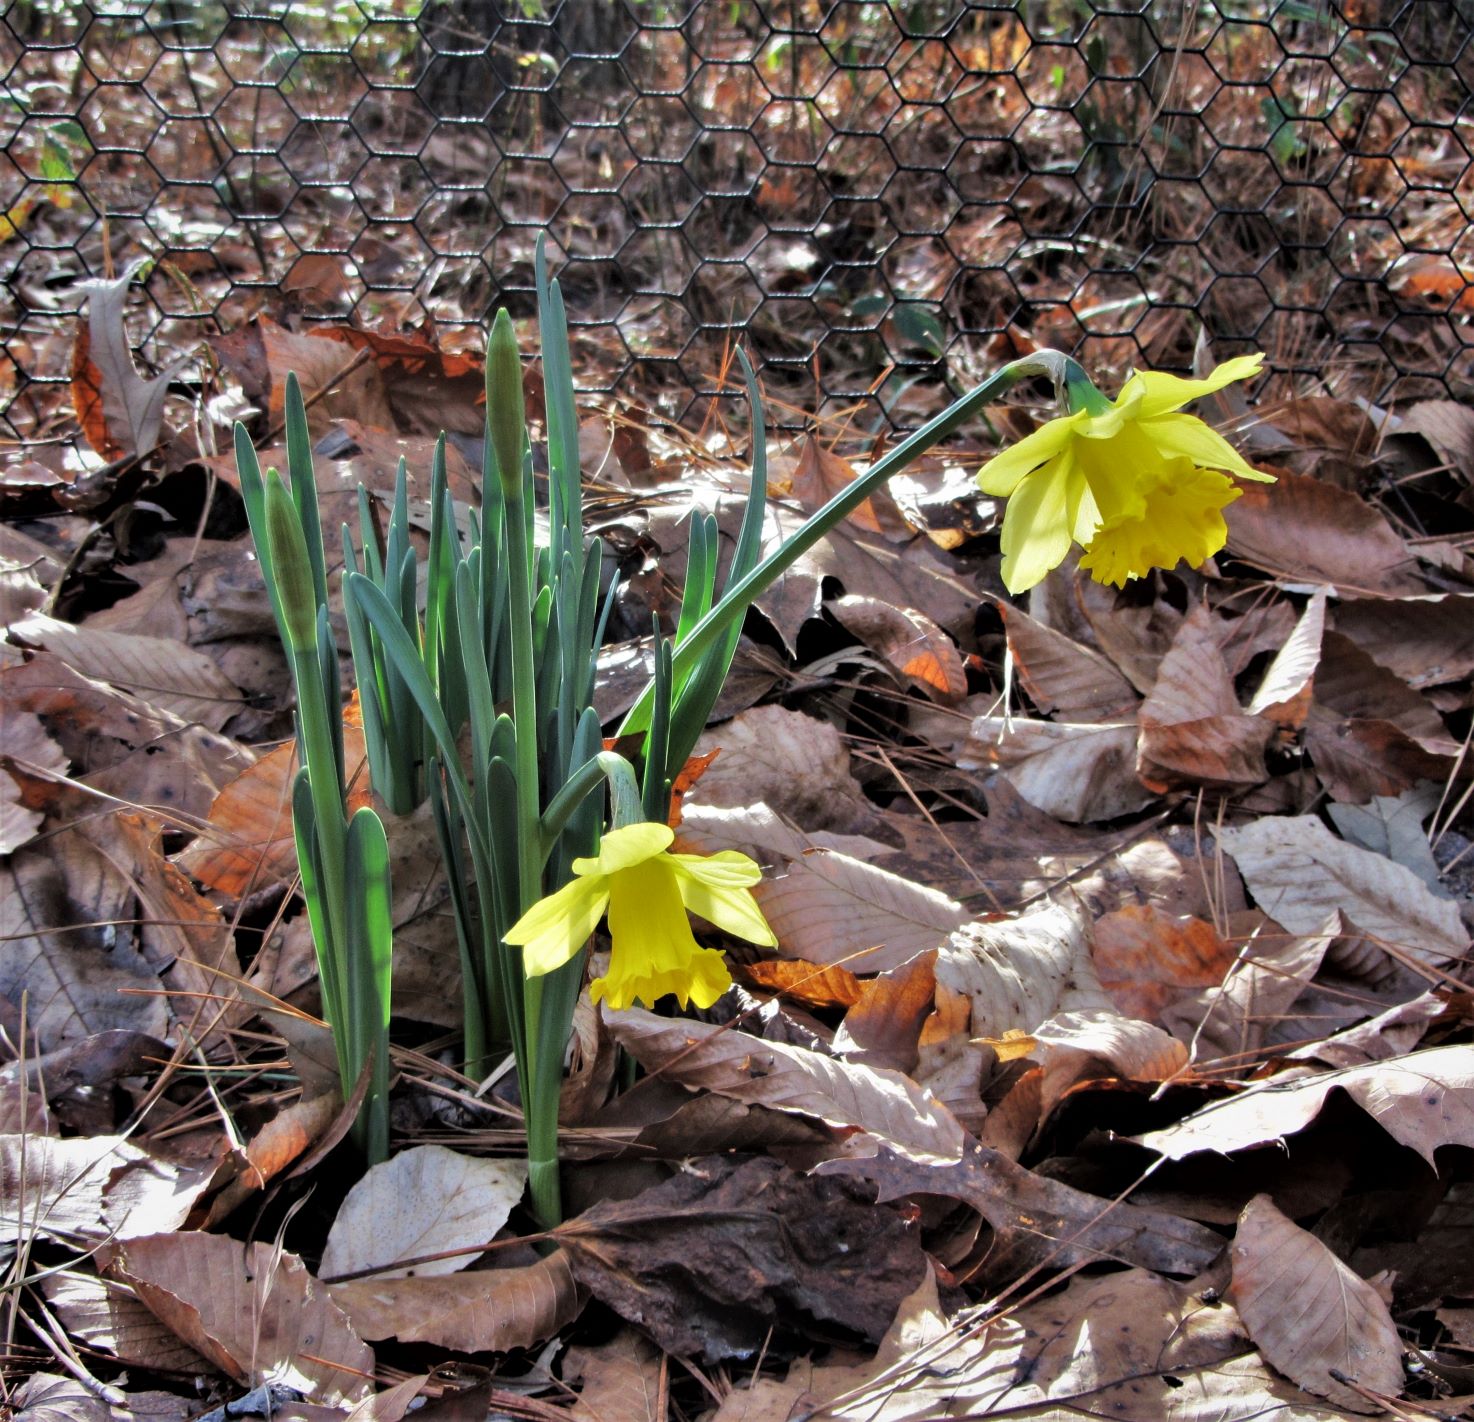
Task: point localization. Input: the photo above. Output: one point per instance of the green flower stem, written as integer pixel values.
(736, 600)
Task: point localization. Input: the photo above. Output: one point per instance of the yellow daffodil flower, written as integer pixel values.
(1136, 483)
(647, 893)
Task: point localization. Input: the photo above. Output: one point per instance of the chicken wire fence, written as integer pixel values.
(879, 201)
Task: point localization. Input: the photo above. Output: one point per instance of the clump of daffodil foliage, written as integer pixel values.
(1137, 484)
(475, 668)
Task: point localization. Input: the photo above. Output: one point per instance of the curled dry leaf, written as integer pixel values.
(1427, 641)
(796, 765)
(1310, 1316)
(249, 843)
(1284, 694)
(1127, 1345)
(885, 1105)
(1423, 1100)
(253, 1311)
(1300, 874)
(1041, 1222)
(108, 1315)
(1073, 771)
(480, 1311)
(621, 1380)
(426, 1200)
(712, 1260)
(88, 1188)
(909, 642)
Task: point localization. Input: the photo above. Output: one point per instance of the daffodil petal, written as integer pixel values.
(1188, 437)
(1162, 392)
(624, 848)
(732, 909)
(554, 929)
(1182, 520)
(1038, 521)
(727, 869)
(1000, 476)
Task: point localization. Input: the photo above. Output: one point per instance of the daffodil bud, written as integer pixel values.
(505, 413)
(291, 569)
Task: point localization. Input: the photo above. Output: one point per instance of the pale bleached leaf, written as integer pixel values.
(1300, 874)
(1424, 1100)
(426, 1200)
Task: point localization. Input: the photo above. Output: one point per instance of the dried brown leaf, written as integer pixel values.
(622, 1380)
(481, 1311)
(712, 1260)
(253, 1311)
(1064, 678)
(1307, 531)
(1310, 1316)
(909, 642)
(108, 1315)
(825, 906)
(167, 675)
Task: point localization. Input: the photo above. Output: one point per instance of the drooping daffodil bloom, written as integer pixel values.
(647, 893)
(1136, 483)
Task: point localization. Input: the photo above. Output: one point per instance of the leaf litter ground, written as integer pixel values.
(1115, 1057)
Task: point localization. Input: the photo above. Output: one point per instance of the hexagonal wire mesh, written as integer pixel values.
(878, 199)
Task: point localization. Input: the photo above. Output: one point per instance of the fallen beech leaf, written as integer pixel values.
(825, 906)
(710, 1261)
(1350, 682)
(1284, 694)
(819, 474)
(1064, 678)
(796, 765)
(909, 642)
(1074, 772)
(252, 1310)
(1309, 1314)
(88, 1188)
(883, 1028)
(622, 1380)
(1427, 641)
(1041, 1222)
(480, 1311)
(426, 1200)
(1300, 874)
(282, 1141)
(78, 980)
(1193, 731)
(886, 1105)
(48, 1397)
(1424, 1100)
(809, 983)
(249, 843)
(1309, 531)
(108, 1315)
(167, 675)
(120, 412)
